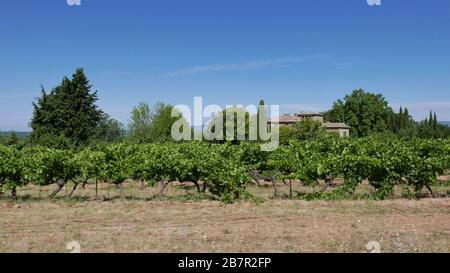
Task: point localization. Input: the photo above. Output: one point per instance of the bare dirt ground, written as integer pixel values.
(185, 224)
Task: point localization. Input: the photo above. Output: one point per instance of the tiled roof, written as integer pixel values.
(288, 119)
(331, 125)
(309, 114)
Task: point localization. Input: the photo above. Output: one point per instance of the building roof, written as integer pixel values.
(309, 114)
(331, 125)
(288, 119)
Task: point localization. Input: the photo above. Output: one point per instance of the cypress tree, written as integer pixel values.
(68, 111)
(435, 122)
(406, 119)
(430, 120)
(261, 104)
(13, 139)
(401, 124)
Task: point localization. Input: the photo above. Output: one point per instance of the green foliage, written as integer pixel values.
(430, 128)
(383, 162)
(68, 113)
(141, 119)
(109, 130)
(364, 112)
(45, 166)
(336, 113)
(304, 130)
(261, 112)
(402, 124)
(368, 114)
(149, 125)
(13, 139)
(226, 169)
(162, 121)
(11, 167)
(231, 125)
(54, 141)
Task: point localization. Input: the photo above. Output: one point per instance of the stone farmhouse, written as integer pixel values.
(340, 128)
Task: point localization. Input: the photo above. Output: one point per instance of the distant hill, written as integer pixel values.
(445, 123)
(20, 135)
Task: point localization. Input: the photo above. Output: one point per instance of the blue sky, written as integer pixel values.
(301, 54)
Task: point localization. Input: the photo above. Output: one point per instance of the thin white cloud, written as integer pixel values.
(240, 66)
(11, 95)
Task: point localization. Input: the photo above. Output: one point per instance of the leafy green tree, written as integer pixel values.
(148, 125)
(13, 139)
(109, 129)
(304, 130)
(336, 113)
(139, 125)
(430, 128)
(365, 112)
(68, 112)
(231, 125)
(162, 121)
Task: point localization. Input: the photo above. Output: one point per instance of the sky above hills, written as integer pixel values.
(300, 54)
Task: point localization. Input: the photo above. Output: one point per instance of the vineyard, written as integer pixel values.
(224, 171)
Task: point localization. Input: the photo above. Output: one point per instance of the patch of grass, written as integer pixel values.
(193, 197)
(227, 231)
(257, 200)
(335, 195)
(333, 245)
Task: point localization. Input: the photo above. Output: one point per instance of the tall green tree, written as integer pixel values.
(13, 139)
(139, 125)
(406, 119)
(304, 130)
(261, 107)
(162, 121)
(365, 112)
(69, 112)
(435, 122)
(401, 120)
(430, 120)
(231, 125)
(336, 113)
(109, 129)
(148, 125)
(403, 124)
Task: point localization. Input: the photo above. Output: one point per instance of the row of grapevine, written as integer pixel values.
(218, 166)
(384, 164)
(226, 169)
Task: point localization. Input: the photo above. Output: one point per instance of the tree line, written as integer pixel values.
(367, 113)
(68, 117)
